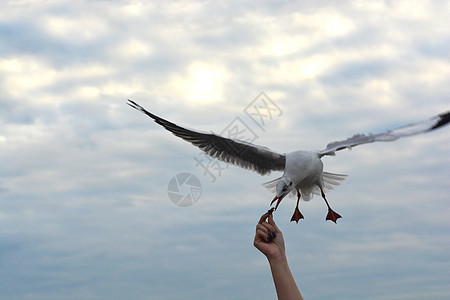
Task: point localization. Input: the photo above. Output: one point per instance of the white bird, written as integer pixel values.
(303, 170)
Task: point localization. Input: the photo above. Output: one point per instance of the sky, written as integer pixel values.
(89, 205)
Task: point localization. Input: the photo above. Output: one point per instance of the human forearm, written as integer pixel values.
(285, 284)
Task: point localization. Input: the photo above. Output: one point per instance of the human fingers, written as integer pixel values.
(263, 218)
(271, 221)
(268, 230)
(262, 234)
(271, 231)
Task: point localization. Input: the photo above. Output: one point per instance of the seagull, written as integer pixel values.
(303, 170)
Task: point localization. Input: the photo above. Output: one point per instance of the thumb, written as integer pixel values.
(272, 222)
(263, 218)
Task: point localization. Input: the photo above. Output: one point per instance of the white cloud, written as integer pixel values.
(133, 49)
(74, 28)
(327, 23)
(26, 74)
(203, 82)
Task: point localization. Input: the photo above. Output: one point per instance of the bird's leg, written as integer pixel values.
(332, 215)
(297, 214)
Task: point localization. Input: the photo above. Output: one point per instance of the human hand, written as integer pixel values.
(269, 239)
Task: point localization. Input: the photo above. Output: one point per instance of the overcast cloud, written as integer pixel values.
(84, 209)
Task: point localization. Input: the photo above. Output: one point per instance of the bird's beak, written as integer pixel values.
(277, 198)
(274, 199)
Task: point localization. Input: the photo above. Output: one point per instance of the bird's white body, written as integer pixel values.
(305, 169)
(303, 174)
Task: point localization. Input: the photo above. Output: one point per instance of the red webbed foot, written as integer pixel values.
(297, 215)
(332, 215)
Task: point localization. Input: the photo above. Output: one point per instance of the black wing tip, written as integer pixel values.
(174, 128)
(143, 110)
(444, 119)
(133, 104)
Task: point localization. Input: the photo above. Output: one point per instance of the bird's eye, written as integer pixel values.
(290, 183)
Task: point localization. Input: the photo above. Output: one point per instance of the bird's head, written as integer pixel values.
(284, 187)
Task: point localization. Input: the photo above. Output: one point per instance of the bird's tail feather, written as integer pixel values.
(330, 182)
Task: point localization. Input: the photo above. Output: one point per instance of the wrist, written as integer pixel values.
(277, 260)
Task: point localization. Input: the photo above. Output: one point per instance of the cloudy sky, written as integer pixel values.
(84, 206)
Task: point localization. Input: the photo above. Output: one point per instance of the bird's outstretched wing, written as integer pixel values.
(389, 135)
(236, 152)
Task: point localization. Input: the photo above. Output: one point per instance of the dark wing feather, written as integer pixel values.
(236, 152)
(389, 135)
